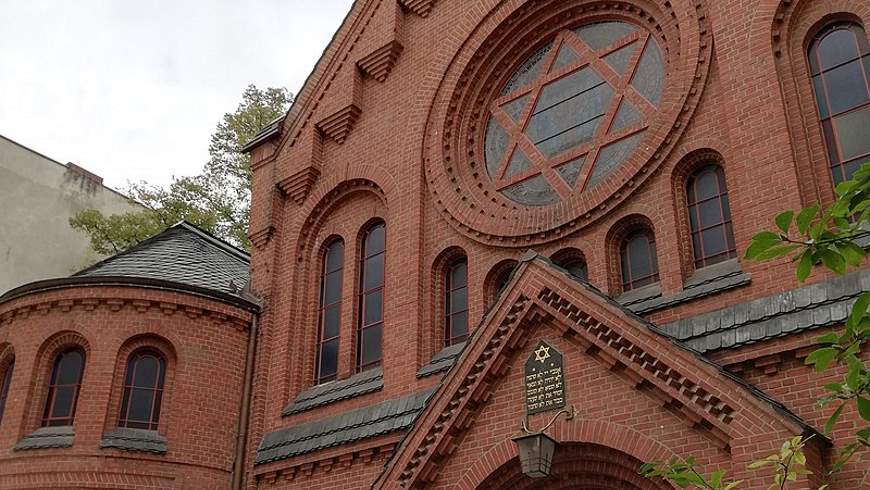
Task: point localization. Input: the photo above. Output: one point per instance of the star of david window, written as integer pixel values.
(573, 112)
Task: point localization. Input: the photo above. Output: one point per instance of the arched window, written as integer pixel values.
(572, 260)
(839, 59)
(330, 312)
(710, 216)
(637, 260)
(5, 381)
(456, 302)
(143, 390)
(371, 301)
(63, 388)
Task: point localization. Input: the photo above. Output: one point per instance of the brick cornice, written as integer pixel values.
(301, 468)
(118, 299)
(701, 396)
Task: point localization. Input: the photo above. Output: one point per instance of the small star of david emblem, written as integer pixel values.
(542, 353)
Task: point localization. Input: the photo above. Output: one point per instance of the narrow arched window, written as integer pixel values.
(143, 390)
(710, 216)
(371, 301)
(637, 260)
(63, 388)
(572, 260)
(330, 312)
(5, 381)
(839, 60)
(456, 302)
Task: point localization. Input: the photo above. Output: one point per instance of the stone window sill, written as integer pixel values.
(47, 437)
(142, 440)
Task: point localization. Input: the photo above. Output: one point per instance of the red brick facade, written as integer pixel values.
(389, 127)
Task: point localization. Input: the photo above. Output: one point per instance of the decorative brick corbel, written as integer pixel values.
(261, 237)
(380, 62)
(419, 7)
(297, 185)
(338, 125)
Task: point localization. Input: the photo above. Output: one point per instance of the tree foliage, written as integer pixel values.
(217, 199)
(812, 237)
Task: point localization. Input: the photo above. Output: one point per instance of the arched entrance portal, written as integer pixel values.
(577, 466)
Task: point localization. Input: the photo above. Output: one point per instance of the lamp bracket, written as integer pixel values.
(569, 414)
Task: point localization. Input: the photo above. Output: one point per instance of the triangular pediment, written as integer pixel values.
(544, 301)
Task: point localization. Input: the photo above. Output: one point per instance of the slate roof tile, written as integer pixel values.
(367, 381)
(47, 437)
(375, 420)
(148, 441)
(182, 254)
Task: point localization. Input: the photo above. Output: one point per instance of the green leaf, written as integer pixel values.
(832, 420)
(821, 358)
(716, 478)
(805, 265)
(775, 252)
(759, 245)
(783, 220)
(834, 261)
(805, 216)
(853, 377)
(853, 254)
(863, 407)
(828, 338)
(859, 310)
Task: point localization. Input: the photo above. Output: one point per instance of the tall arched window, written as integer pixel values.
(5, 381)
(371, 301)
(63, 388)
(839, 59)
(456, 302)
(710, 216)
(143, 390)
(330, 312)
(637, 260)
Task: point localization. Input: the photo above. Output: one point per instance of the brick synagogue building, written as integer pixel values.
(478, 216)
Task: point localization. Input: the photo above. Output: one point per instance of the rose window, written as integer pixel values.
(573, 112)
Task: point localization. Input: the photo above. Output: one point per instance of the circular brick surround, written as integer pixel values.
(453, 155)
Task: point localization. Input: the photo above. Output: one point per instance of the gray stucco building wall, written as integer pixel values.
(38, 196)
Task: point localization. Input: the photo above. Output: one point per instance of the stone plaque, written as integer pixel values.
(545, 379)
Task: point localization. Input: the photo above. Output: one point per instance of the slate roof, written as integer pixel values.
(383, 418)
(148, 441)
(442, 361)
(182, 254)
(367, 381)
(814, 306)
(709, 280)
(47, 437)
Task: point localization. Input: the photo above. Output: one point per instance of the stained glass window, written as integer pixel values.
(839, 59)
(329, 316)
(710, 216)
(456, 302)
(143, 390)
(371, 301)
(637, 260)
(5, 381)
(63, 388)
(573, 112)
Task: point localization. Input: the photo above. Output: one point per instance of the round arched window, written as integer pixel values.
(573, 112)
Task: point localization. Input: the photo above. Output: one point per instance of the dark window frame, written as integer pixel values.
(725, 221)
(5, 383)
(323, 308)
(156, 389)
(449, 313)
(830, 134)
(48, 418)
(362, 325)
(627, 279)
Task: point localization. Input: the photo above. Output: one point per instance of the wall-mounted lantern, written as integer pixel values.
(536, 454)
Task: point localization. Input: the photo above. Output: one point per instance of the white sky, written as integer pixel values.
(132, 90)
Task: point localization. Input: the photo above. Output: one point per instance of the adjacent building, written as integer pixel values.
(38, 196)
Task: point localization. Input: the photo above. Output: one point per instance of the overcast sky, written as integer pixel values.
(132, 90)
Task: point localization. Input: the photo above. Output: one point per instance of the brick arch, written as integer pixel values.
(42, 367)
(579, 442)
(434, 337)
(135, 343)
(612, 241)
(788, 28)
(496, 272)
(310, 231)
(689, 163)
